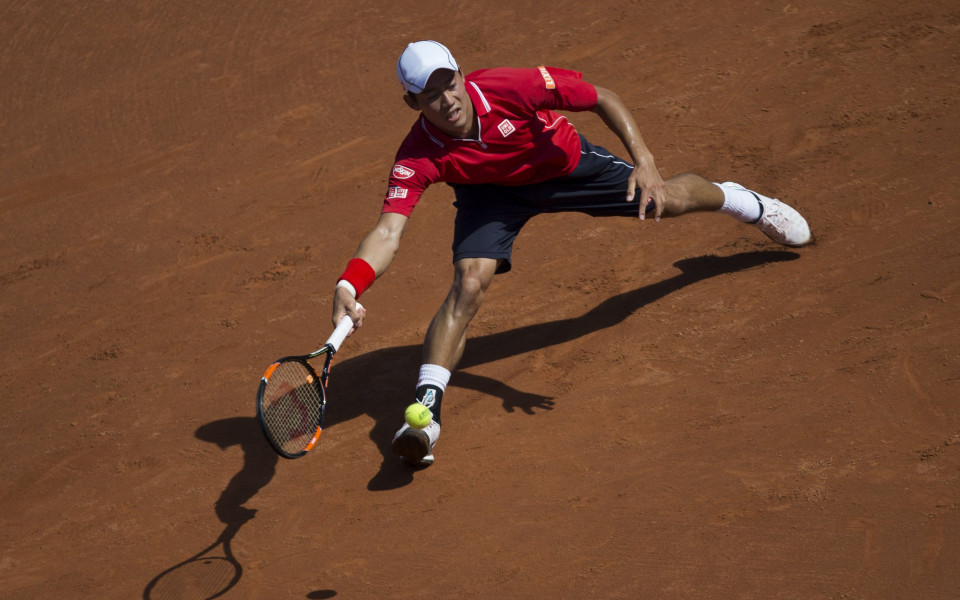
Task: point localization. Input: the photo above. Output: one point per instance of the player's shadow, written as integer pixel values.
(379, 383)
(207, 574)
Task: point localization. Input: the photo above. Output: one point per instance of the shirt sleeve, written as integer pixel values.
(561, 89)
(409, 178)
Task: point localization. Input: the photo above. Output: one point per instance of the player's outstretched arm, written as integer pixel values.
(377, 250)
(645, 176)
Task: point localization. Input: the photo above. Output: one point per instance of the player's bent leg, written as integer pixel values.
(442, 350)
(688, 192)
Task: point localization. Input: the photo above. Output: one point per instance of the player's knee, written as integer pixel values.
(470, 282)
(468, 292)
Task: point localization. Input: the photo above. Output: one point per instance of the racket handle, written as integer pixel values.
(341, 332)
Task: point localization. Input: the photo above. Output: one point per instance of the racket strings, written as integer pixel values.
(292, 405)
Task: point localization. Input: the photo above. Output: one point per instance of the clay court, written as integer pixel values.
(668, 410)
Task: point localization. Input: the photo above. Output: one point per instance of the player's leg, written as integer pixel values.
(598, 187)
(688, 192)
(488, 220)
(445, 340)
(447, 335)
(448, 331)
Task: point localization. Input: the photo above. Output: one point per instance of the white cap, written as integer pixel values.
(419, 61)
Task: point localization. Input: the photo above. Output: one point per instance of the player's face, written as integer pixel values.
(445, 103)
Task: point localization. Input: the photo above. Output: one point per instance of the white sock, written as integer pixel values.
(739, 202)
(434, 375)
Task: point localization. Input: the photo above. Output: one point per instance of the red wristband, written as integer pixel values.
(360, 275)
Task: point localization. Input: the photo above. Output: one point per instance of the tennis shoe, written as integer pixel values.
(783, 224)
(415, 446)
(778, 220)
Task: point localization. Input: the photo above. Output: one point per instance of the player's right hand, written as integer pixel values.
(345, 304)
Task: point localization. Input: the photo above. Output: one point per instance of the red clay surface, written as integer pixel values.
(672, 410)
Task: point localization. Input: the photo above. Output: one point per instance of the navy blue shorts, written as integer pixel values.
(489, 216)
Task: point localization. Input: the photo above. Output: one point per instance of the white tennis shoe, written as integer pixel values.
(779, 221)
(415, 446)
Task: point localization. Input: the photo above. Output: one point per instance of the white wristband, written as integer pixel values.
(343, 283)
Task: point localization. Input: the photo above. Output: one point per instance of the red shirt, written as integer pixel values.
(521, 140)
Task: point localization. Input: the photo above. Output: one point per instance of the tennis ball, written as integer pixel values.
(417, 415)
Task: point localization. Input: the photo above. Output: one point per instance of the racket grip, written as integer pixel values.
(342, 330)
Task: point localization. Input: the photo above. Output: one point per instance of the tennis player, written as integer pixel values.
(495, 137)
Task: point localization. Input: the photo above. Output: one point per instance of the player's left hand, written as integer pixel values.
(646, 178)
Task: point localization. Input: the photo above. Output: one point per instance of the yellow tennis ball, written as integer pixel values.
(417, 415)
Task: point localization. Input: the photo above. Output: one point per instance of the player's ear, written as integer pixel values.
(411, 101)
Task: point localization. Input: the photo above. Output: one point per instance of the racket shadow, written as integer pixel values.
(206, 575)
(214, 571)
(376, 383)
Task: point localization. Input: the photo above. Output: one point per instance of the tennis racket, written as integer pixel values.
(292, 398)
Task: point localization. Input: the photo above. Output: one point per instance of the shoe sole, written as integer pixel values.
(790, 243)
(413, 446)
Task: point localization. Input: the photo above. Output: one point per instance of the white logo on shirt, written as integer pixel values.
(402, 172)
(506, 128)
(397, 192)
